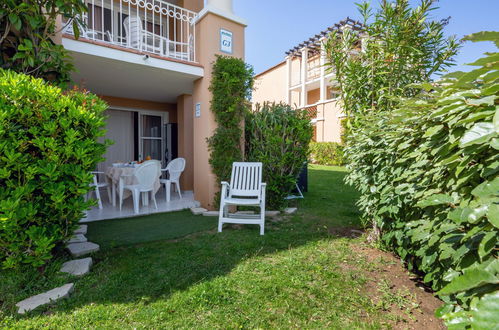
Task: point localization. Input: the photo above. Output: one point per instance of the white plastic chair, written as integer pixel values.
(246, 189)
(174, 169)
(144, 176)
(138, 38)
(97, 185)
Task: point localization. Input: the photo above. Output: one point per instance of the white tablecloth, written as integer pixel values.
(113, 175)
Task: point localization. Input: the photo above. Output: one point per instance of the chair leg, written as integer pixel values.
(97, 195)
(121, 196)
(153, 197)
(178, 189)
(136, 198)
(221, 214)
(109, 194)
(168, 191)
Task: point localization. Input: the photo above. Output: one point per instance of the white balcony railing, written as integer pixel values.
(152, 26)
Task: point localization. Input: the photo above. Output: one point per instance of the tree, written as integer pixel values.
(27, 29)
(398, 46)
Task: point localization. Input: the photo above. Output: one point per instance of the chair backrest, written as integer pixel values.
(175, 168)
(246, 179)
(147, 173)
(133, 30)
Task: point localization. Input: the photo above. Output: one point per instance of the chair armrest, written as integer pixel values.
(225, 189)
(97, 172)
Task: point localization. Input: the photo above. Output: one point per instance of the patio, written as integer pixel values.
(109, 211)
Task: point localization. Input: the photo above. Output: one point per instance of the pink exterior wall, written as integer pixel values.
(270, 86)
(207, 39)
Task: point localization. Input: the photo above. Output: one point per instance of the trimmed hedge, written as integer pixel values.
(327, 153)
(428, 177)
(48, 146)
(279, 137)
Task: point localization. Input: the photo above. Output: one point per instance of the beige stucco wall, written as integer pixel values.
(314, 96)
(207, 43)
(185, 139)
(171, 109)
(328, 125)
(270, 86)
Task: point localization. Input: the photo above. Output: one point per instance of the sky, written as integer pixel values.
(275, 26)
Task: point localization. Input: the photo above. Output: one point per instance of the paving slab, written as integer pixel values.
(211, 214)
(272, 213)
(81, 249)
(78, 238)
(78, 267)
(290, 210)
(198, 210)
(45, 298)
(81, 230)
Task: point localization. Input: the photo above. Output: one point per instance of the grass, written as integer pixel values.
(297, 275)
(155, 227)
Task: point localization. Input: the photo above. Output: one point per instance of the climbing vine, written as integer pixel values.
(231, 86)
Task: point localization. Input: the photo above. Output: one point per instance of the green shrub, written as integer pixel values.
(279, 137)
(326, 153)
(231, 86)
(48, 146)
(428, 177)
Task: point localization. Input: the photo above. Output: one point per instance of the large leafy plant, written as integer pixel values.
(27, 29)
(48, 146)
(279, 137)
(427, 172)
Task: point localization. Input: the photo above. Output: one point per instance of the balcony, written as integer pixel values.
(153, 27)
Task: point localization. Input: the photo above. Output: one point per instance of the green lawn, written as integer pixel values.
(297, 275)
(155, 227)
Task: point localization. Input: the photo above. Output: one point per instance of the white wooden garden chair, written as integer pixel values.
(245, 189)
(174, 169)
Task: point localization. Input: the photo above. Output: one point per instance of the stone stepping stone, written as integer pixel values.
(290, 210)
(272, 213)
(45, 298)
(198, 210)
(210, 214)
(78, 238)
(81, 249)
(78, 267)
(81, 230)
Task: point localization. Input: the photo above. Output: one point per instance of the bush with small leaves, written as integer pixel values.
(48, 146)
(279, 137)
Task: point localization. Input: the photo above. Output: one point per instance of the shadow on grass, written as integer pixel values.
(156, 270)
